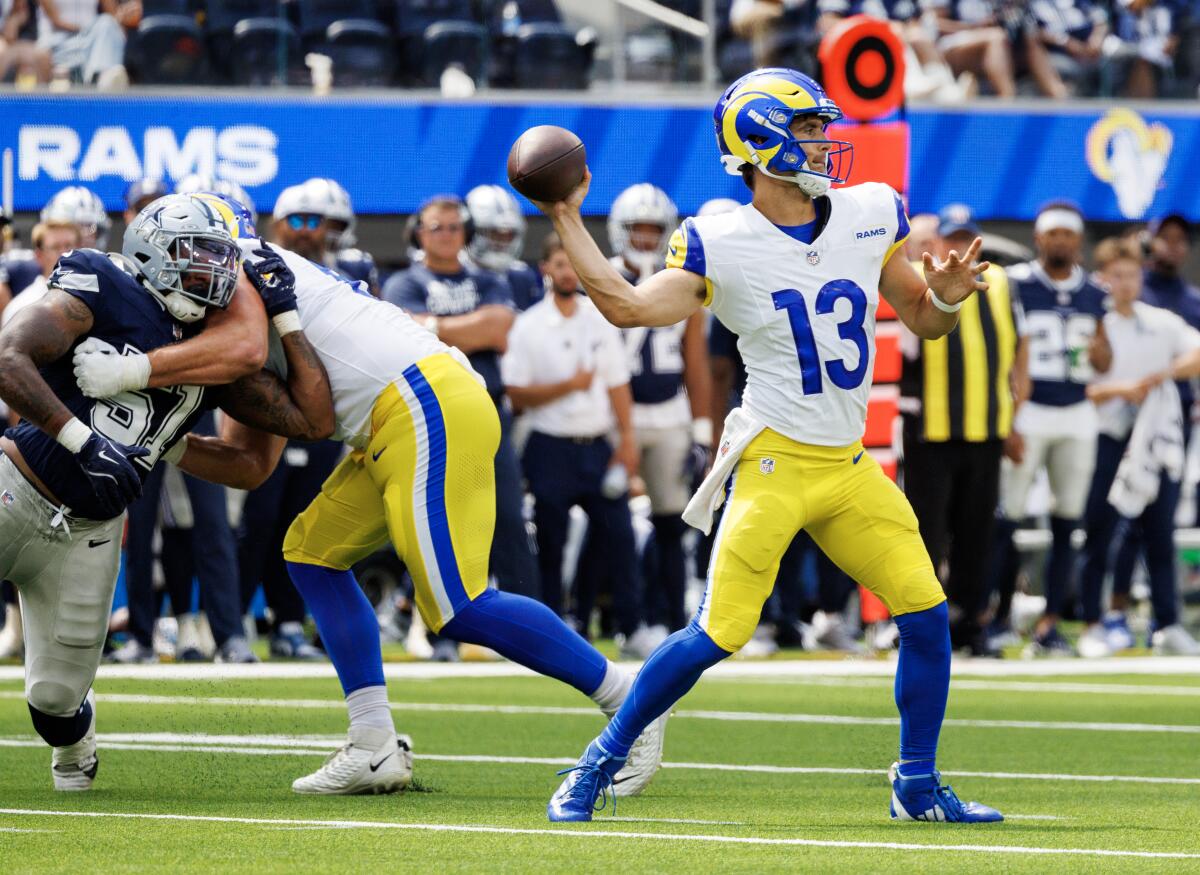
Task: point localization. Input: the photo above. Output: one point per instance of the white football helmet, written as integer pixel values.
(182, 248)
(499, 227)
(82, 207)
(198, 182)
(641, 204)
(322, 197)
(717, 205)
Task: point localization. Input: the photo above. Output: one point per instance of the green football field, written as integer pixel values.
(770, 767)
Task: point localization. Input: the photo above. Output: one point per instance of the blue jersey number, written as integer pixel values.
(852, 330)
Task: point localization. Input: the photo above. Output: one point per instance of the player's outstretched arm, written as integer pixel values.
(232, 345)
(42, 333)
(242, 457)
(916, 299)
(668, 297)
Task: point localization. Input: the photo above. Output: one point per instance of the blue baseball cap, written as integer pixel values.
(955, 219)
(145, 188)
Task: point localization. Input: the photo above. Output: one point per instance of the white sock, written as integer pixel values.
(613, 689)
(369, 707)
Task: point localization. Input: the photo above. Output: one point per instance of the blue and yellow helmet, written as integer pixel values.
(236, 215)
(753, 121)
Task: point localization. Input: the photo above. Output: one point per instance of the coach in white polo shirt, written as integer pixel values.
(565, 368)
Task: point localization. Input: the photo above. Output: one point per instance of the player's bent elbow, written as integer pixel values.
(248, 353)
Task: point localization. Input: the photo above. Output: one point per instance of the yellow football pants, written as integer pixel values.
(426, 482)
(841, 497)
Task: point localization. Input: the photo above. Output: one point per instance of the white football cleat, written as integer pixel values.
(644, 759)
(74, 767)
(1093, 643)
(1174, 640)
(373, 760)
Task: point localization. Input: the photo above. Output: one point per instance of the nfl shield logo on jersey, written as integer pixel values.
(814, 257)
(767, 465)
(7, 498)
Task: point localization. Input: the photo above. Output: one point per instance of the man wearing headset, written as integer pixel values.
(471, 309)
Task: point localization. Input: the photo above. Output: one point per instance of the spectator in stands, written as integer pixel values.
(1065, 42)
(32, 63)
(780, 32)
(1140, 424)
(472, 309)
(973, 40)
(85, 39)
(566, 369)
(1056, 429)
(959, 395)
(1146, 39)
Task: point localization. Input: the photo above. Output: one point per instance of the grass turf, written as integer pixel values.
(759, 806)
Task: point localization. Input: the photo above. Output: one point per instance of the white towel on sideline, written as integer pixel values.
(740, 429)
(1155, 446)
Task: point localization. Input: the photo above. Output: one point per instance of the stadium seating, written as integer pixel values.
(168, 49)
(361, 47)
(551, 55)
(268, 52)
(414, 18)
(447, 43)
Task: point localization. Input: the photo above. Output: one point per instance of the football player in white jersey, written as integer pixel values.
(423, 433)
(797, 276)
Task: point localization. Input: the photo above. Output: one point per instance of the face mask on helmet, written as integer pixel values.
(183, 248)
(640, 225)
(499, 235)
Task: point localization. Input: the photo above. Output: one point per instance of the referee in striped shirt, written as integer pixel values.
(958, 395)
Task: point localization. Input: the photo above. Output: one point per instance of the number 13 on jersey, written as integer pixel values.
(852, 330)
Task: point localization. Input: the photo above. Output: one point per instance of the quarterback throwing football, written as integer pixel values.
(797, 275)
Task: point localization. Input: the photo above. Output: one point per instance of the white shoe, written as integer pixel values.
(416, 644)
(642, 643)
(644, 759)
(373, 760)
(12, 643)
(832, 634)
(74, 767)
(1174, 640)
(884, 635)
(1093, 643)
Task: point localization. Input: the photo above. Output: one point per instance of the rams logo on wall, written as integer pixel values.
(1131, 156)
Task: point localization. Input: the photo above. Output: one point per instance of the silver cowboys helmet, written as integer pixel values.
(322, 197)
(641, 204)
(499, 227)
(198, 182)
(182, 247)
(82, 207)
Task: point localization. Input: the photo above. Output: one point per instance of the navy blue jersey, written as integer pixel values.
(358, 266)
(525, 283)
(655, 356)
(1061, 19)
(19, 268)
(896, 10)
(129, 318)
(1061, 320)
(1181, 298)
(420, 290)
(723, 343)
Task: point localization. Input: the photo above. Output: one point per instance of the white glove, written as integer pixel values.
(102, 372)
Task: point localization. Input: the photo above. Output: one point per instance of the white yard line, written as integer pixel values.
(573, 832)
(1141, 665)
(683, 714)
(985, 686)
(316, 745)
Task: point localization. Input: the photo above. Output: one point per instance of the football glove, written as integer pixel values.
(274, 280)
(111, 473)
(102, 372)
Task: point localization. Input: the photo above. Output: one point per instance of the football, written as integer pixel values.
(546, 163)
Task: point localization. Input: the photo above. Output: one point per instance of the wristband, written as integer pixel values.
(137, 373)
(942, 305)
(286, 322)
(176, 452)
(73, 435)
(702, 431)
(431, 325)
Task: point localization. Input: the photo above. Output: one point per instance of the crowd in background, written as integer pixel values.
(955, 48)
(606, 432)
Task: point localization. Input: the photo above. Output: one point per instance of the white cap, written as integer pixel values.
(1058, 218)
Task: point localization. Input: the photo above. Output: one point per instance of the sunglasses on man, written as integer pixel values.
(302, 221)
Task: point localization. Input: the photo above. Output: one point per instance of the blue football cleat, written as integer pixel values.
(923, 798)
(586, 787)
